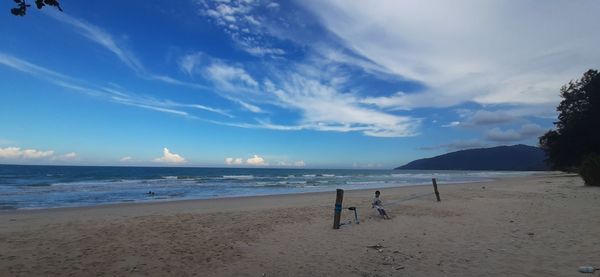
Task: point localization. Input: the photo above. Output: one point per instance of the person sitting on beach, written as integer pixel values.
(378, 204)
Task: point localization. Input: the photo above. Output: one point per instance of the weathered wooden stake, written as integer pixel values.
(437, 193)
(339, 197)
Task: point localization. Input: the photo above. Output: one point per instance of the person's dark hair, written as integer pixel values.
(377, 192)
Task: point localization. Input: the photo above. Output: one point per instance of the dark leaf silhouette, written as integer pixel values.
(21, 6)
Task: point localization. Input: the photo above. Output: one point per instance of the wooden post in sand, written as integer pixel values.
(437, 193)
(338, 208)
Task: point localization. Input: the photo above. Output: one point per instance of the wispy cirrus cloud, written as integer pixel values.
(320, 106)
(189, 63)
(44, 73)
(173, 81)
(103, 38)
(247, 106)
(467, 50)
(107, 41)
(168, 106)
(111, 94)
(325, 108)
(229, 77)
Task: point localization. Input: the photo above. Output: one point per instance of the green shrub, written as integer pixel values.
(590, 170)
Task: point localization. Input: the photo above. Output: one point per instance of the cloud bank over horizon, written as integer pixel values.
(18, 154)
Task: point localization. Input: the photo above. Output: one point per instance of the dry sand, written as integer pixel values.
(545, 225)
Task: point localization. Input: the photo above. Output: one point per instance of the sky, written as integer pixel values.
(294, 84)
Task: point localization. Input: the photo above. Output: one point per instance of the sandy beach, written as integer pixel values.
(543, 225)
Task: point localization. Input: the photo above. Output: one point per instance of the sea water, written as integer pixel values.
(34, 187)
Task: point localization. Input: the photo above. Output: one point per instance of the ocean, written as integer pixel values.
(37, 187)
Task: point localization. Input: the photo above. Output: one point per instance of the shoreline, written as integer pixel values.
(236, 198)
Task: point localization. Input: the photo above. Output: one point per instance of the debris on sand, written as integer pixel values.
(376, 246)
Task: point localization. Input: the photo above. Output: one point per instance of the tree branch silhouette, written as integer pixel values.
(22, 6)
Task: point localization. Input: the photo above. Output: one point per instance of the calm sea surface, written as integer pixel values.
(34, 187)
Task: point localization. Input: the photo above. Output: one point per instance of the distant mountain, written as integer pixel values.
(517, 157)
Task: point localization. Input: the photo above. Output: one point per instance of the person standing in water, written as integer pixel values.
(378, 204)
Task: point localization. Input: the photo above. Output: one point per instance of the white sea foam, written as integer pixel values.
(240, 177)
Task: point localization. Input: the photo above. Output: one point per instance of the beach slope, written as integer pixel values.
(543, 225)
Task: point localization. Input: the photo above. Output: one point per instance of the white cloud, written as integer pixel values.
(246, 105)
(126, 159)
(229, 77)
(36, 154)
(292, 164)
(234, 161)
(525, 132)
(264, 51)
(256, 161)
(71, 155)
(273, 5)
(244, 24)
(10, 152)
(324, 108)
(19, 154)
(299, 164)
(304, 88)
(491, 52)
(189, 63)
(452, 124)
(170, 158)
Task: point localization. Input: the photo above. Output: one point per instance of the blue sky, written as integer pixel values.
(340, 84)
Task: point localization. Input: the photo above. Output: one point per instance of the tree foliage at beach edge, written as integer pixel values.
(577, 135)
